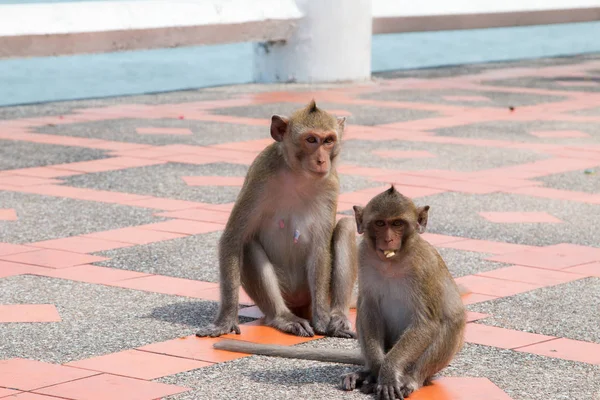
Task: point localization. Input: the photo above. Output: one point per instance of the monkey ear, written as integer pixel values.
(279, 126)
(358, 214)
(422, 215)
(341, 123)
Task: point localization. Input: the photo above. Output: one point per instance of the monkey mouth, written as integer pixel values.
(389, 253)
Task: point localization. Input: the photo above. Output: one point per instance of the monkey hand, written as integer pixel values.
(339, 326)
(390, 386)
(218, 329)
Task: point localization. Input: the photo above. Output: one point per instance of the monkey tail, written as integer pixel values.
(272, 350)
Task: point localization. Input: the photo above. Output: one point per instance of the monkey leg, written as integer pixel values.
(260, 282)
(343, 276)
(437, 356)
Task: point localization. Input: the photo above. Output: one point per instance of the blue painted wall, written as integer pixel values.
(85, 76)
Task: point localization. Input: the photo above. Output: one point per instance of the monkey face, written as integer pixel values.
(317, 150)
(389, 219)
(386, 236)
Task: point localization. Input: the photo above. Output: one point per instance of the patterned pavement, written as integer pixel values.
(110, 211)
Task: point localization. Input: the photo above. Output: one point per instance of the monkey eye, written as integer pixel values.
(379, 223)
(329, 140)
(311, 139)
(398, 222)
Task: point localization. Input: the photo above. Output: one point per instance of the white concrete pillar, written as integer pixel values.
(332, 43)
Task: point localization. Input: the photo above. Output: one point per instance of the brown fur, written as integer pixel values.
(410, 317)
(291, 186)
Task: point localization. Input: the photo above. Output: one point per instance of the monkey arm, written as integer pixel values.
(230, 264)
(370, 333)
(412, 343)
(319, 273)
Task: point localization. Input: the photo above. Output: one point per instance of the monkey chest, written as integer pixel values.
(288, 237)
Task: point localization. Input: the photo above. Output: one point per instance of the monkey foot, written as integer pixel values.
(339, 326)
(213, 330)
(390, 392)
(354, 379)
(294, 325)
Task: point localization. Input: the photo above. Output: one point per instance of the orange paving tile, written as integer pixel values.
(184, 227)
(213, 180)
(251, 146)
(79, 244)
(7, 249)
(168, 285)
(53, 258)
(44, 172)
(113, 387)
(22, 374)
(198, 214)
(11, 269)
(90, 274)
(547, 258)
(454, 388)
(559, 134)
(28, 313)
(495, 287)
(31, 396)
(550, 193)
(193, 347)
(501, 337)
(437, 239)
(484, 246)
(7, 392)
(403, 180)
(519, 217)
(89, 166)
(135, 235)
(503, 182)
(473, 298)
(138, 364)
(536, 276)
(8, 214)
(268, 335)
(403, 154)
(417, 191)
(591, 269)
(468, 187)
(21, 181)
(574, 249)
(163, 131)
(567, 349)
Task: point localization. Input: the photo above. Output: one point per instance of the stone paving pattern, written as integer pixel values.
(110, 213)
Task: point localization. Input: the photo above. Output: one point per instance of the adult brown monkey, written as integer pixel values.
(281, 242)
(410, 317)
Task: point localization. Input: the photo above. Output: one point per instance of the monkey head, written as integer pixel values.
(389, 220)
(310, 139)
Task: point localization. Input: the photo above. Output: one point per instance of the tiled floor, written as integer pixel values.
(401, 120)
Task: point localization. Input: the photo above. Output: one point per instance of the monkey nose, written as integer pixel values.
(320, 162)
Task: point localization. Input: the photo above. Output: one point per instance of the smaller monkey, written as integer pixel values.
(410, 317)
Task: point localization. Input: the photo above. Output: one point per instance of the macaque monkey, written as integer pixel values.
(410, 317)
(282, 243)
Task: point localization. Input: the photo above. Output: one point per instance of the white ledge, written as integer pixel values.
(84, 27)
